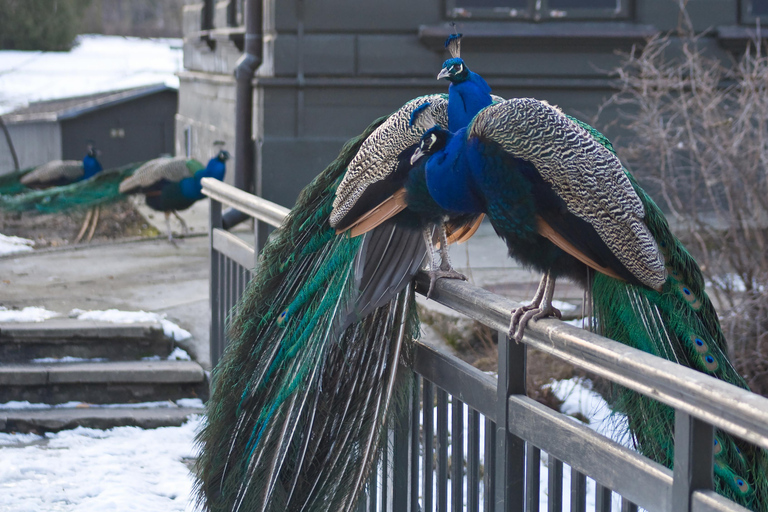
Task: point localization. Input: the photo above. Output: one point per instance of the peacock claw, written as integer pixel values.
(540, 307)
(434, 275)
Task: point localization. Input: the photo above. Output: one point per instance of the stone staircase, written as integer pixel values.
(118, 374)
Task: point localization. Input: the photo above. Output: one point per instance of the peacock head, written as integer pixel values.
(223, 155)
(433, 140)
(454, 70)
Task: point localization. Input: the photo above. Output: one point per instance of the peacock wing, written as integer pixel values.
(171, 169)
(586, 176)
(69, 170)
(371, 176)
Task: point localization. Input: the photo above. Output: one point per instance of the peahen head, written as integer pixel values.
(433, 140)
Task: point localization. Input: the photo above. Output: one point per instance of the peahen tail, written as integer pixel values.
(300, 397)
(679, 324)
(98, 190)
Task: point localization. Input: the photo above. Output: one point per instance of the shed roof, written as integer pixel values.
(68, 108)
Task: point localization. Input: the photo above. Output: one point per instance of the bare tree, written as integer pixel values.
(699, 131)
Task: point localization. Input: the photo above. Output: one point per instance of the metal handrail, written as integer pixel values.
(723, 405)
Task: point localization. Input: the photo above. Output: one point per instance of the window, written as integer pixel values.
(751, 10)
(541, 9)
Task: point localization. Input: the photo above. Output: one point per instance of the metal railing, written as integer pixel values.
(502, 472)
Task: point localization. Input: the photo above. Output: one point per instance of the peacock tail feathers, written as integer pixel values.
(10, 184)
(679, 324)
(300, 396)
(100, 189)
(70, 170)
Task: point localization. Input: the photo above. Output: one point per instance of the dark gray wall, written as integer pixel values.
(147, 124)
(333, 66)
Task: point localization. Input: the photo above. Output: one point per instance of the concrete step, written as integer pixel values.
(102, 382)
(67, 337)
(54, 420)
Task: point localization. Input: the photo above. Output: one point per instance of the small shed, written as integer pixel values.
(125, 126)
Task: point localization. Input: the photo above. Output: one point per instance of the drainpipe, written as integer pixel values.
(244, 71)
(10, 143)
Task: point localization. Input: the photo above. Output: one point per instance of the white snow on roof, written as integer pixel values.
(96, 64)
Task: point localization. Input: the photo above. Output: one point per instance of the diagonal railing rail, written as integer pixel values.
(439, 457)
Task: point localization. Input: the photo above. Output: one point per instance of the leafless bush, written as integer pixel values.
(699, 142)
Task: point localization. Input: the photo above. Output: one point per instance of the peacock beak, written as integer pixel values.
(444, 73)
(416, 155)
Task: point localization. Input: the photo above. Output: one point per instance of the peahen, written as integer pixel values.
(554, 190)
(173, 184)
(63, 172)
(303, 391)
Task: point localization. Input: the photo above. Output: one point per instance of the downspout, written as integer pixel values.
(244, 71)
(10, 143)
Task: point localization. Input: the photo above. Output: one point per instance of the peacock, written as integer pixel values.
(173, 184)
(555, 191)
(63, 172)
(303, 391)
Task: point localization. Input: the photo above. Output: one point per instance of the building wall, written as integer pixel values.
(333, 66)
(35, 144)
(134, 131)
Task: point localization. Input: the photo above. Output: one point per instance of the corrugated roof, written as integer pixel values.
(68, 108)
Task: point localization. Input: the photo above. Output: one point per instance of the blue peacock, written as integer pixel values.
(555, 191)
(302, 393)
(58, 173)
(173, 184)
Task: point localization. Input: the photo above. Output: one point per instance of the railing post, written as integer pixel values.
(694, 456)
(510, 459)
(216, 341)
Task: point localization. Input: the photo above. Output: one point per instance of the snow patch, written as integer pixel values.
(192, 403)
(96, 64)
(14, 244)
(28, 314)
(121, 469)
(116, 316)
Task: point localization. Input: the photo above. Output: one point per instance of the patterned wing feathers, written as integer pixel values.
(588, 177)
(55, 170)
(378, 155)
(171, 169)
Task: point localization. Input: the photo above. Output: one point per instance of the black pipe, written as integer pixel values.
(244, 71)
(10, 143)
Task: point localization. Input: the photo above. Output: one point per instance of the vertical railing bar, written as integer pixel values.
(555, 484)
(399, 470)
(442, 451)
(413, 498)
(489, 463)
(473, 461)
(373, 487)
(603, 498)
(694, 459)
(457, 455)
(628, 506)
(510, 476)
(429, 438)
(578, 491)
(533, 478)
(216, 343)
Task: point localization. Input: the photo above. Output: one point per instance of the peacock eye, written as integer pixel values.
(458, 68)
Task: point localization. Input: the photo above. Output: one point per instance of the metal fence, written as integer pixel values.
(501, 434)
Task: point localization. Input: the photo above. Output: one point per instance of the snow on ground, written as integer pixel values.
(12, 244)
(89, 470)
(96, 64)
(191, 403)
(129, 317)
(28, 314)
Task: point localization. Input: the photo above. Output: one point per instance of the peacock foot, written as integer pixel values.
(540, 307)
(522, 315)
(434, 275)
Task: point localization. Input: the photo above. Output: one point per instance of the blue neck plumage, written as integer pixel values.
(91, 166)
(450, 177)
(192, 188)
(466, 99)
